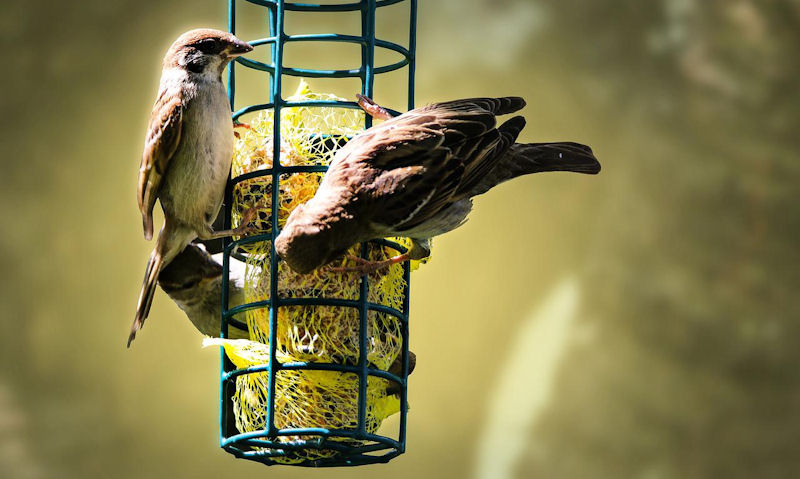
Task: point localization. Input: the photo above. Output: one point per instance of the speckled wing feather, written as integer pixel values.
(163, 137)
(422, 161)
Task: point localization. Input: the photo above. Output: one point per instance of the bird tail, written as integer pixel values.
(171, 241)
(524, 159)
(154, 265)
(563, 156)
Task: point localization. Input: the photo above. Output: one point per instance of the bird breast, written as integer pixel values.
(194, 183)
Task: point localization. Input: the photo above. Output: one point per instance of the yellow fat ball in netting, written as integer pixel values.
(328, 334)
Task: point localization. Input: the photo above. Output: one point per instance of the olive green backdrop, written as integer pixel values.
(641, 323)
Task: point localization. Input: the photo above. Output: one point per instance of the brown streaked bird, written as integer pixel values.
(193, 280)
(414, 176)
(187, 152)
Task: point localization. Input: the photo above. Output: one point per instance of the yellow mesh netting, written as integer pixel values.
(329, 334)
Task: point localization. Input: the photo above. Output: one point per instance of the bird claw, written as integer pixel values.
(237, 124)
(249, 216)
(372, 109)
(245, 230)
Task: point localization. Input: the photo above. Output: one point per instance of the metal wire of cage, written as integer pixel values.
(262, 446)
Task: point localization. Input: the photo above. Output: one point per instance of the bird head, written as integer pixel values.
(205, 51)
(188, 271)
(306, 242)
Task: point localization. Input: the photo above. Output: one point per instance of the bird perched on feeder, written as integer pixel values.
(193, 279)
(414, 176)
(187, 152)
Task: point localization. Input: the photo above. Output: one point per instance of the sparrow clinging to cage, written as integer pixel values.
(414, 176)
(193, 280)
(187, 152)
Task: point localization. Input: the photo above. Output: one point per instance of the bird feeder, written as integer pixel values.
(317, 396)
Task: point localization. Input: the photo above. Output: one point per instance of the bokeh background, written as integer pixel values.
(642, 323)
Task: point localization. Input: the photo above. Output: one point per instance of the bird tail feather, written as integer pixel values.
(154, 265)
(524, 159)
(563, 156)
(171, 241)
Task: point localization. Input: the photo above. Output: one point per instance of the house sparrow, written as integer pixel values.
(187, 152)
(414, 176)
(194, 282)
(193, 279)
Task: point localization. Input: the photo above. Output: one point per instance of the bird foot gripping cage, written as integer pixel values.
(316, 379)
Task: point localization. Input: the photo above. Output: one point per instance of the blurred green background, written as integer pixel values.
(642, 323)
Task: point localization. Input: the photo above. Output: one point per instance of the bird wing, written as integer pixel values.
(163, 137)
(423, 161)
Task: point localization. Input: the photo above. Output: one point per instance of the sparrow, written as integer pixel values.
(193, 280)
(188, 151)
(414, 175)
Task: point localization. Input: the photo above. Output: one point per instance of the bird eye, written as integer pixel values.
(209, 46)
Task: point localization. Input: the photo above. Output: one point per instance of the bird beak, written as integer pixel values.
(238, 48)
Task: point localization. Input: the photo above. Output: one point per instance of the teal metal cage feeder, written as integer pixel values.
(353, 446)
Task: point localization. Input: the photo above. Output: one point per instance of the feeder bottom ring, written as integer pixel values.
(313, 447)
